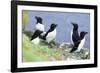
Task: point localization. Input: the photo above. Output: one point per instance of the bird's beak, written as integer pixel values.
(56, 25)
(72, 24)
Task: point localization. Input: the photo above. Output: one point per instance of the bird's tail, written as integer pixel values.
(73, 49)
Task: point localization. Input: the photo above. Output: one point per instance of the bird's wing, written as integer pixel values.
(77, 43)
(75, 37)
(47, 33)
(36, 34)
(42, 36)
(75, 47)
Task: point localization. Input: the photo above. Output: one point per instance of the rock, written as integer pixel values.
(52, 59)
(83, 54)
(64, 49)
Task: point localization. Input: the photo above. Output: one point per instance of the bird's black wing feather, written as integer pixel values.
(36, 34)
(76, 44)
(75, 37)
(44, 36)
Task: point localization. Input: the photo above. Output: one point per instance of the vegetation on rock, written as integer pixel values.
(58, 52)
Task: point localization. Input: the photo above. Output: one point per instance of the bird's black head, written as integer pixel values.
(53, 26)
(75, 26)
(38, 19)
(82, 34)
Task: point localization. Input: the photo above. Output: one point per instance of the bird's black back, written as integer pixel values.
(36, 34)
(75, 36)
(77, 41)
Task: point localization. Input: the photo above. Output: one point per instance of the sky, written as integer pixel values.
(63, 20)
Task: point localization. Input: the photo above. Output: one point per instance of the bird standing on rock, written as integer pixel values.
(39, 30)
(50, 34)
(79, 44)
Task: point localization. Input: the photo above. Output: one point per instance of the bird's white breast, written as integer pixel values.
(80, 45)
(51, 36)
(71, 37)
(40, 27)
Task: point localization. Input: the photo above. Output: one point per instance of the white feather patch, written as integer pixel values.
(71, 36)
(80, 45)
(40, 27)
(51, 36)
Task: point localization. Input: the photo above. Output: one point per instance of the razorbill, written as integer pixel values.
(80, 42)
(51, 33)
(74, 33)
(39, 29)
(35, 37)
(39, 24)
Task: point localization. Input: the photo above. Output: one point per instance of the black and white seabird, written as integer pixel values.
(51, 33)
(79, 44)
(39, 29)
(74, 33)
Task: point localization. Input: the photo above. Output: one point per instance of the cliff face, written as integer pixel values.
(53, 52)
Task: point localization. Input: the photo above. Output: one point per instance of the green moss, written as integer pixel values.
(32, 53)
